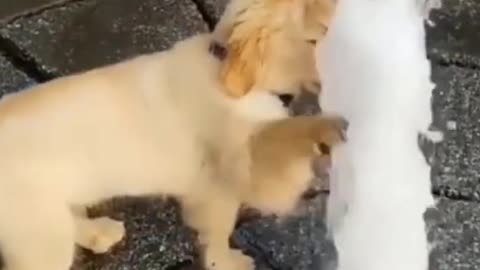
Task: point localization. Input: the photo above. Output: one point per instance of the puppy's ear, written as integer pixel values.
(314, 17)
(243, 62)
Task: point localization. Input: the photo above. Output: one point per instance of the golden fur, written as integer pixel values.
(271, 44)
(277, 167)
(155, 124)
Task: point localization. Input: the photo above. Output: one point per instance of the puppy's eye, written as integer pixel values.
(312, 41)
(286, 99)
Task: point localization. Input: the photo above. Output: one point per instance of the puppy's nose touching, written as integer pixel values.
(286, 99)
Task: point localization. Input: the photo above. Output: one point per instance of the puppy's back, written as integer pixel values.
(133, 120)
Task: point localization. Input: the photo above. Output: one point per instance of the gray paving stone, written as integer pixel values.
(456, 104)
(91, 33)
(298, 243)
(456, 233)
(11, 79)
(12, 8)
(456, 37)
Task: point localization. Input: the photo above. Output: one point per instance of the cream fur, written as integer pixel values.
(135, 128)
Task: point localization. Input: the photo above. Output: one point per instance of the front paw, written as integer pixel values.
(232, 259)
(312, 86)
(330, 130)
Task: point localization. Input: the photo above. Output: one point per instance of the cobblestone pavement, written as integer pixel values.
(44, 39)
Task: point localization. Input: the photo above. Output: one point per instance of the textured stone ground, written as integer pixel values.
(43, 39)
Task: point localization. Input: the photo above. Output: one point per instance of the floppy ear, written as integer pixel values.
(240, 68)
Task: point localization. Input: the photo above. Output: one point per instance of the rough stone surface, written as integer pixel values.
(11, 79)
(456, 233)
(91, 33)
(456, 36)
(296, 243)
(157, 239)
(457, 111)
(12, 8)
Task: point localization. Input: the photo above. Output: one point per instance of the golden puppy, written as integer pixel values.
(135, 128)
(270, 44)
(155, 124)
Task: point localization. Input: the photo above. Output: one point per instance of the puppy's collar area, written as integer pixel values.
(218, 50)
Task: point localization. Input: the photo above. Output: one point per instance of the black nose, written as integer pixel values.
(305, 104)
(286, 99)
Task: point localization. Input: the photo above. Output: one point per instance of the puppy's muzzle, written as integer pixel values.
(306, 103)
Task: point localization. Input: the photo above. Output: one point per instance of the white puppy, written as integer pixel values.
(377, 76)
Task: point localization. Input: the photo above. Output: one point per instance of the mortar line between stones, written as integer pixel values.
(21, 61)
(442, 192)
(38, 10)
(455, 63)
(448, 193)
(209, 20)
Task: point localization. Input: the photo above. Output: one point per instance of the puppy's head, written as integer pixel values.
(282, 153)
(270, 44)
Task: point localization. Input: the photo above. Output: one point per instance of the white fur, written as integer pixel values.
(377, 76)
(261, 105)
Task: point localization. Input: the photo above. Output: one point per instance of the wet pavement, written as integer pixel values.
(43, 39)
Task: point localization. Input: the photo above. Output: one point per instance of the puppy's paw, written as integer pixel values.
(232, 259)
(105, 233)
(330, 131)
(312, 87)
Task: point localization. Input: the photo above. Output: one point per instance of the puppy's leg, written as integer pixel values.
(98, 234)
(300, 134)
(214, 218)
(38, 236)
(325, 130)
